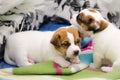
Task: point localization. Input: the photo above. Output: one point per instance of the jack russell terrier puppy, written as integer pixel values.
(105, 37)
(29, 47)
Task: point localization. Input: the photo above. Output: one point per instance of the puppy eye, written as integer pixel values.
(77, 42)
(90, 21)
(66, 44)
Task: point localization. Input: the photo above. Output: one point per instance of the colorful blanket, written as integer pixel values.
(48, 68)
(51, 67)
(85, 74)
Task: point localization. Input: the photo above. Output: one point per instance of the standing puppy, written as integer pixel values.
(105, 37)
(26, 48)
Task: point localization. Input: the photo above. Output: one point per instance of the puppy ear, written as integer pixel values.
(103, 24)
(81, 34)
(56, 40)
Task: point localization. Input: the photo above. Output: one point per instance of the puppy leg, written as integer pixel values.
(31, 61)
(8, 59)
(62, 62)
(75, 60)
(22, 59)
(116, 65)
(106, 69)
(97, 61)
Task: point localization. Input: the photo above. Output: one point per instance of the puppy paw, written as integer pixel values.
(75, 67)
(74, 61)
(31, 61)
(24, 64)
(27, 64)
(106, 69)
(92, 65)
(65, 64)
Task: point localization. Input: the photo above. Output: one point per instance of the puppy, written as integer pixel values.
(105, 37)
(29, 47)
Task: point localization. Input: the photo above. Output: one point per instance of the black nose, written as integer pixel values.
(76, 52)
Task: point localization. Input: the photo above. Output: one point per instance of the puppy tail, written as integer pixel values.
(8, 60)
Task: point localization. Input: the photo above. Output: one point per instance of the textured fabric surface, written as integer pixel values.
(82, 75)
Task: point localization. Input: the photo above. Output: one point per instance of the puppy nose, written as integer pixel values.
(76, 52)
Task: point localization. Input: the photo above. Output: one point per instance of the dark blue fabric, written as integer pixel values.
(5, 65)
(51, 26)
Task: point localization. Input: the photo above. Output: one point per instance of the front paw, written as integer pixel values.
(65, 64)
(74, 61)
(31, 61)
(92, 65)
(106, 69)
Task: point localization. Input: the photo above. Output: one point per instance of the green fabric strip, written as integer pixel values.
(48, 67)
(115, 75)
(40, 68)
(56, 67)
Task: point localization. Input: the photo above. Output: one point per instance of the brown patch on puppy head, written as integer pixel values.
(77, 35)
(85, 21)
(80, 20)
(89, 23)
(103, 24)
(61, 41)
(59, 35)
(92, 10)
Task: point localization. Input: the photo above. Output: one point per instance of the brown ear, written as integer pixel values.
(56, 40)
(81, 35)
(103, 24)
(80, 17)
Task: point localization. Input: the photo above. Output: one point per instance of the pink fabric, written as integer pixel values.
(94, 70)
(88, 47)
(90, 43)
(58, 70)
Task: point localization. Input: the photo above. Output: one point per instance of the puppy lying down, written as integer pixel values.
(29, 47)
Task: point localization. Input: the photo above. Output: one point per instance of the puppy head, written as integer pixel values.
(67, 41)
(91, 20)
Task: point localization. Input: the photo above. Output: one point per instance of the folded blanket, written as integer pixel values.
(48, 67)
(82, 75)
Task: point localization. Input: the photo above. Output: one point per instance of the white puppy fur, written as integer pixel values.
(105, 37)
(26, 48)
